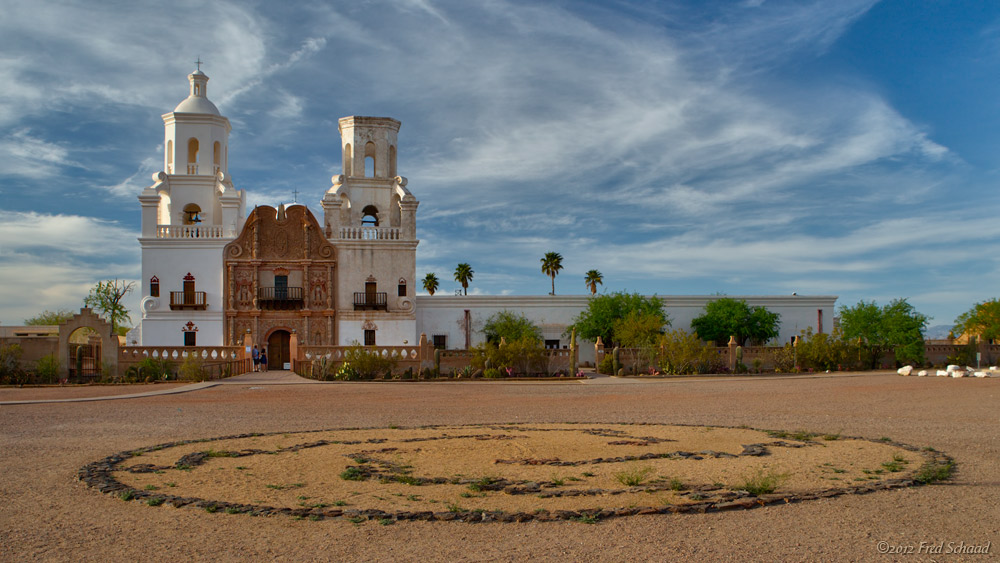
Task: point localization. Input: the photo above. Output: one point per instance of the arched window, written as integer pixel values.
(392, 161)
(217, 156)
(348, 160)
(370, 156)
(369, 216)
(192, 156)
(170, 157)
(192, 214)
(154, 286)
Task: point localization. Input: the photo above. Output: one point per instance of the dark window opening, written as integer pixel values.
(281, 287)
(369, 338)
(441, 341)
(552, 344)
(190, 338)
(154, 287)
(401, 290)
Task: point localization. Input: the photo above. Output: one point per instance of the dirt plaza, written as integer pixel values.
(50, 515)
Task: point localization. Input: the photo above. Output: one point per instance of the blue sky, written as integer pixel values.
(739, 147)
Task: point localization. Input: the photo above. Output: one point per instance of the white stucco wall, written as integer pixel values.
(170, 260)
(387, 332)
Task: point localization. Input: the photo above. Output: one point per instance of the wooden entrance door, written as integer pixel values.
(277, 349)
(370, 291)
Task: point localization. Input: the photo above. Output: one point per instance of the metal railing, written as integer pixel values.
(280, 297)
(364, 301)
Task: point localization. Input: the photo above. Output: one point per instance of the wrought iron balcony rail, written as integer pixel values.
(370, 301)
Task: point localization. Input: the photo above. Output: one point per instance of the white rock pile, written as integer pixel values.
(952, 371)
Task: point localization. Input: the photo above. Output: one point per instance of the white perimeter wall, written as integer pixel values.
(444, 314)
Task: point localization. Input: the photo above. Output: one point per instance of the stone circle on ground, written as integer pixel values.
(508, 472)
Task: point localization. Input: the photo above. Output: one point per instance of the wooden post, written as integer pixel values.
(732, 353)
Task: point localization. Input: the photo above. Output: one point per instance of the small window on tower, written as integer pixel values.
(401, 288)
(154, 286)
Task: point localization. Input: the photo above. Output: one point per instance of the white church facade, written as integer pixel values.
(212, 273)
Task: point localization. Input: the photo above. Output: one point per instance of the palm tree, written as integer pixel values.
(591, 279)
(551, 264)
(430, 283)
(463, 275)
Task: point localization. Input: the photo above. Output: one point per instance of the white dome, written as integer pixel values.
(197, 104)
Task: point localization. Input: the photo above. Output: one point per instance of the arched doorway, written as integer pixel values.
(277, 349)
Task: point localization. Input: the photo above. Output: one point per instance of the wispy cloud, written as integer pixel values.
(59, 258)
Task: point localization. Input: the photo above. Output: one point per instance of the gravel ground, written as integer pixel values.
(46, 514)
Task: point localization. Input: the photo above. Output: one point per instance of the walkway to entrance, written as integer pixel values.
(275, 377)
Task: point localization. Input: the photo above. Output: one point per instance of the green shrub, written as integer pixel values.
(10, 364)
(525, 356)
(47, 368)
(783, 359)
(369, 362)
(192, 368)
(826, 351)
(346, 372)
(606, 365)
(761, 483)
(492, 373)
(683, 353)
(323, 369)
(934, 471)
(634, 476)
(157, 368)
(353, 474)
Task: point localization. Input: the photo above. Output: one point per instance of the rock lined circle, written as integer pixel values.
(509, 472)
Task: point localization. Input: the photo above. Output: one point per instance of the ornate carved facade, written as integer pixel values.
(280, 276)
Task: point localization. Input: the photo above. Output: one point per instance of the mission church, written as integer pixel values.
(211, 273)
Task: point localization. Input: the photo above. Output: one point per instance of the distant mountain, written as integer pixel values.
(937, 332)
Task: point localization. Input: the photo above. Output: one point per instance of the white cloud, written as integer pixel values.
(22, 154)
(52, 261)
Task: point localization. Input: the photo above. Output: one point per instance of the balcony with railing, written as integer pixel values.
(191, 231)
(368, 301)
(194, 300)
(370, 233)
(280, 297)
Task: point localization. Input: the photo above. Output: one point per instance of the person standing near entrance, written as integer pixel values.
(263, 359)
(256, 358)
